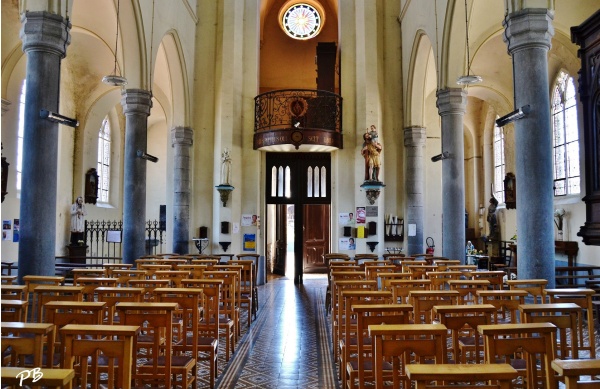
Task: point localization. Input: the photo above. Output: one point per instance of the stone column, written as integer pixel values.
(45, 38)
(528, 34)
(136, 107)
(182, 139)
(414, 142)
(451, 105)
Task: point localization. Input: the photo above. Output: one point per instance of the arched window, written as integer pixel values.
(104, 161)
(499, 166)
(20, 132)
(566, 137)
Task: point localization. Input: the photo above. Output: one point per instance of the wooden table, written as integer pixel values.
(39, 331)
(423, 374)
(52, 378)
(571, 370)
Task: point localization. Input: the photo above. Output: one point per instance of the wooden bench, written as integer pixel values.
(424, 374)
(569, 276)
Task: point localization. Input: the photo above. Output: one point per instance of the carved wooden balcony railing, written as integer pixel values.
(297, 117)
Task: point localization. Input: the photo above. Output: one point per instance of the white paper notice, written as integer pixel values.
(412, 230)
(236, 228)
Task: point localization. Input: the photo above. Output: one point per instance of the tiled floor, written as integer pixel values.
(287, 345)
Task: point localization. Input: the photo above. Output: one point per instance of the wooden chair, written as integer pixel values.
(99, 349)
(189, 302)
(254, 258)
(208, 262)
(174, 276)
(91, 283)
(347, 331)
(439, 279)
(535, 287)
(88, 272)
(564, 317)
(402, 288)
(532, 340)
(583, 298)
(124, 275)
(467, 289)
(423, 302)
(372, 271)
(31, 282)
(153, 347)
(338, 315)
(404, 344)
(112, 296)
(195, 271)
(46, 293)
(46, 377)
(506, 302)
(458, 375)
(21, 341)
(462, 322)
(495, 277)
(149, 286)
(361, 367)
(228, 316)
(208, 328)
(13, 292)
(61, 313)
(14, 310)
(7, 280)
(152, 268)
(420, 271)
(110, 267)
(570, 371)
(248, 288)
(385, 279)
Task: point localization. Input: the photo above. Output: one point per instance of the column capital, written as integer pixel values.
(136, 101)
(528, 28)
(414, 136)
(44, 31)
(182, 136)
(451, 101)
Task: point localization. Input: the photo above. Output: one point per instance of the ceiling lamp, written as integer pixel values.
(469, 79)
(114, 78)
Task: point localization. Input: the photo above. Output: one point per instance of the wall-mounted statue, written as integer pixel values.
(78, 214)
(371, 151)
(493, 219)
(225, 167)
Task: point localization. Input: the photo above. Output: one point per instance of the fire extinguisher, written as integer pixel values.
(430, 246)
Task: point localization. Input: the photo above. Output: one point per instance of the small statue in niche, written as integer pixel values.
(371, 151)
(225, 167)
(78, 214)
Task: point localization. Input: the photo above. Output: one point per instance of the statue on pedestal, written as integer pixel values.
(225, 167)
(78, 213)
(371, 151)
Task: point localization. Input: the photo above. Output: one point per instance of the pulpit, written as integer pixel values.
(77, 253)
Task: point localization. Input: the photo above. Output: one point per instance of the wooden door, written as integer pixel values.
(280, 239)
(315, 237)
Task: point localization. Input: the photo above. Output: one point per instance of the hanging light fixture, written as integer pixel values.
(469, 79)
(114, 78)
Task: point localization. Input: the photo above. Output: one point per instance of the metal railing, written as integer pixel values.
(104, 237)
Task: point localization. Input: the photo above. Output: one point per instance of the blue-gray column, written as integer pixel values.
(414, 143)
(136, 107)
(452, 103)
(528, 34)
(182, 139)
(45, 38)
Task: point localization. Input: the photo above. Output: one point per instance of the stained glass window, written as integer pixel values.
(566, 137)
(302, 21)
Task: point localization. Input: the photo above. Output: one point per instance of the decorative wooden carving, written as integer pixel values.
(587, 36)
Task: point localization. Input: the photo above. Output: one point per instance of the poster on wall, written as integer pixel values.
(6, 230)
(16, 230)
(346, 219)
(347, 244)
(361, 215)
(249, 243)
(249, 220)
